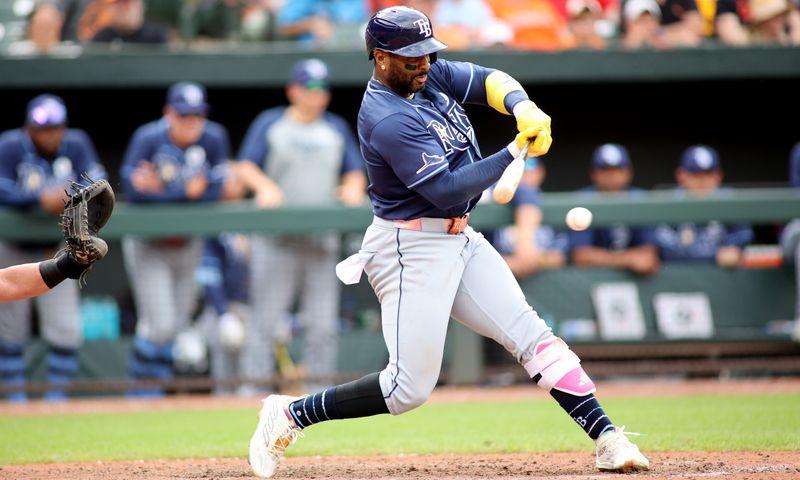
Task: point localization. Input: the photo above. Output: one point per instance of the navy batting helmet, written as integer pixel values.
(403, 31)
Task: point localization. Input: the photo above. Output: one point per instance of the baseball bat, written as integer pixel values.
(504, 189)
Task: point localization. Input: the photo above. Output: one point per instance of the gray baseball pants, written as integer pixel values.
(283, 268)
(422, 278)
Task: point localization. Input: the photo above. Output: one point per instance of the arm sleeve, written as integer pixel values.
(352, 153)
(216, 167)
(421, 163)
(448, 189)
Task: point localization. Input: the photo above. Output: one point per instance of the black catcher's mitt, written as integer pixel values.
(87, 210)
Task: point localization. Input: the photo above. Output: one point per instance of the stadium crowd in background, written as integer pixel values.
(49, 26)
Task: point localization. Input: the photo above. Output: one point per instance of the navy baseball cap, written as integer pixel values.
(188, 98)
(611, 155)
(46, 111)
(700, 158)
(311, 74)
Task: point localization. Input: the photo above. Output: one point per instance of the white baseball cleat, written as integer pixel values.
(276, 431)
(615, 453)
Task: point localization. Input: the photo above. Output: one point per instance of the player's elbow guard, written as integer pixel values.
(503, 92)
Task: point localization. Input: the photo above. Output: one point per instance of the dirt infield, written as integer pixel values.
(559, 466)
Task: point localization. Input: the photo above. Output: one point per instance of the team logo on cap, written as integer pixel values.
(316, 68)
(193, 95)
(611, 155)
(703, 158)
(424, 27)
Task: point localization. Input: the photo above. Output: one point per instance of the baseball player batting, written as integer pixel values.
(424, 261)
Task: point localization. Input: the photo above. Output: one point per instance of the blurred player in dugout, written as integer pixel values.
(181, 157)
(299, 154)
(528, 246)
(38, 162)
(700, 175)
(616, 246)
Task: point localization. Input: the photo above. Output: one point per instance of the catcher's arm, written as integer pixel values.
(19, 282)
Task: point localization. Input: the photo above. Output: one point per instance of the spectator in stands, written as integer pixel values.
(790, 236)
(527, 245)
(775, 22)
(300, 154)
(617, 246)
(641, 25)
(128, 25)
(44, 27)
(537, 24)
(608, 17)
(583, 17)
(179, 158)
(700, 175)
(464, 24)
(258, 19)
(38, 163)
(681, 24)
(722, 22)
(317, 23)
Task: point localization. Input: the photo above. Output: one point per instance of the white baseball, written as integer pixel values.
(579, 218)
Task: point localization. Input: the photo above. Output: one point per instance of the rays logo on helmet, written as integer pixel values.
(424, 27)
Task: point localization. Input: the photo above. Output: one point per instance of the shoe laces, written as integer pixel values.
(279, 446)
(621, 436)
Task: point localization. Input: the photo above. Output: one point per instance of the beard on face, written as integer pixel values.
(402, 80)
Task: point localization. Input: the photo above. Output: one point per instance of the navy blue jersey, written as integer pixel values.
(224, 272)
(794, 166)
(408, 142)
(25, 173)
(692, 242)
(614, 237)
(176, 166)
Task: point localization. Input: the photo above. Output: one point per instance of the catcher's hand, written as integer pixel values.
(85, 212)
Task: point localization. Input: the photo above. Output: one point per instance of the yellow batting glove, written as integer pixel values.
(540, 140)
(529, 115)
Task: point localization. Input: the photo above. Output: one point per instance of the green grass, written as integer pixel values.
(711, 423)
